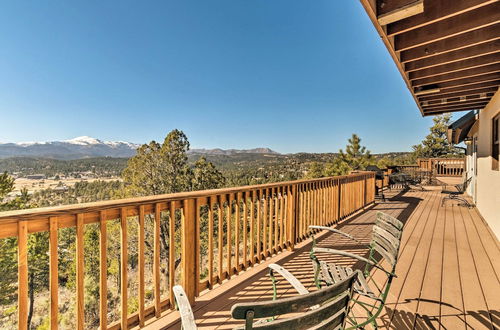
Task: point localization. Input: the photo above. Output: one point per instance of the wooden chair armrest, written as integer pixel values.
(333, 230)
(185, 310)
(301, 289)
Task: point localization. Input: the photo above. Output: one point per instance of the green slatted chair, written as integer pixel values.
(326, 308)
(385, 242)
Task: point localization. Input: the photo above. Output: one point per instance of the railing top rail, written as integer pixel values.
(427, 159)
(54, 211)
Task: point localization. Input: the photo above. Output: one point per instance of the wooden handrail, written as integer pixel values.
(242, 226)
(443, 166)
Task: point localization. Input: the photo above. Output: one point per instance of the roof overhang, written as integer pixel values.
(448, 51)
(459, 130)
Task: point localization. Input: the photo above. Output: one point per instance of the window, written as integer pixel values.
(495, 142)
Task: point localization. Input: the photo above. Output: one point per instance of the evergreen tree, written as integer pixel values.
(206, 176)
(159, 168)
(436, 144)
(356, 157)
(316, 170)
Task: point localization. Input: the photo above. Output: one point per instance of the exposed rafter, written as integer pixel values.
(435, 11)
(408, 10)
(487, 48)
(476, 37)
(448, 54)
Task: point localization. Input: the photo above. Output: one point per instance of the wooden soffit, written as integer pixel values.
(448, 51)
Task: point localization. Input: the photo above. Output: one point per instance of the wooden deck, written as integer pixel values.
(448, 269)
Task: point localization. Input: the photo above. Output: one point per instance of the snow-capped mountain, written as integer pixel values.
(79, 147)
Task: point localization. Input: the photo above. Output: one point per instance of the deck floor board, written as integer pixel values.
(448, 269)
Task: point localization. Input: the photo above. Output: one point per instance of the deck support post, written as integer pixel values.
(189, 257)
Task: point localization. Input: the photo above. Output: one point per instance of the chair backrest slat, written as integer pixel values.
(388, 237)
(386, 255)
(389, 227)
(390, 219)
(314, 308)
(330, 314)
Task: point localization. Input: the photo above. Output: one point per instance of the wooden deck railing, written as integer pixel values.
(214, 233)
(443, 166)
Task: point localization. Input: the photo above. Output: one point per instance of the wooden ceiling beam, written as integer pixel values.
(458, 100)
(431, 111)
(435, 11)
(408, 10)
(454, 56)
(384, 7)
(456, 25)
(472, 38)
(471, 86)
(471, 103)
(467, 81)
(466, 93)
(467, 73)
(456, 66)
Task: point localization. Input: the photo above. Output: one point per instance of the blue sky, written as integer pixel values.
(289, 75)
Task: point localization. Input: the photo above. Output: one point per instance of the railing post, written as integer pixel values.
(339, 200)
(189, 258)
(22, 274)
(364, 192)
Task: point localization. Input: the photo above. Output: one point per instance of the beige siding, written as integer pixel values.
(488, 180)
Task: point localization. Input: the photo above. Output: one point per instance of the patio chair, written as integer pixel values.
(457, 195)
(323, 309)
(386, 238)
(399, 181)
(187, 317)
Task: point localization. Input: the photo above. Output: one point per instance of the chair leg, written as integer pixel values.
(464, 201)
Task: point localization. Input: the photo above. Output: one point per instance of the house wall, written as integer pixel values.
(488, 180)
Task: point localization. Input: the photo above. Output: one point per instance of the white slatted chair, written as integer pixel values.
(187, 316)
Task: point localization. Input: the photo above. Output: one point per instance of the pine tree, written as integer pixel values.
(316, 170)
(356, 157)
(206, 176)
(436, 144)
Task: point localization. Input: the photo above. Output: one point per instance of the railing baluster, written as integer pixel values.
(282, 218)
(171, 253)
(220, 236)
(22, 273)
(197, 240)
(79, 273)
(210, 242)
(245, 230)
(229, 233)
(53, 273)
(141, 253)
(259, 224)
(265, 225)
(237, 234)
(103, 272)
(156, 260)
(271, 221)
(276, 219)
(252, 228)
(124, 268)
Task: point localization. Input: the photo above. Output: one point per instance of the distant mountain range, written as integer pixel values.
(80, 147)
(86, 147)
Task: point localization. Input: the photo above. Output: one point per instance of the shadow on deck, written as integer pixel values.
(448, 269)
